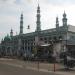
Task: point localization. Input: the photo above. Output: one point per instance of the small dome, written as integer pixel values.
(64, 15)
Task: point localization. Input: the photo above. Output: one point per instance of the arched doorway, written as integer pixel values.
(44, 52)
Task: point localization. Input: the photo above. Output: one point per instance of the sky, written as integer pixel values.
(10, 11)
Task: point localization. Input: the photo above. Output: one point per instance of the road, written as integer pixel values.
(16, 68)
(20, 67)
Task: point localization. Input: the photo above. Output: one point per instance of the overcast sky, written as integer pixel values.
(10, 11)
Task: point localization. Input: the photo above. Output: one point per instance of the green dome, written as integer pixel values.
(7, 38)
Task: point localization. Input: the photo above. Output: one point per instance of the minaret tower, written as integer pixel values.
(11, 33)
(21, 24)
(57, 23)
(38, 23)
(64, 20)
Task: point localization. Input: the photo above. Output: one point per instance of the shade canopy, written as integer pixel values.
(44, 45)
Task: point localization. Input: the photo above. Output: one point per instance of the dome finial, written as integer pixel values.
(64, 15)
(64, 11)
(38, 3)
(11, 29)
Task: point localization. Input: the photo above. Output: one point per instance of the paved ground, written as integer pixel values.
(10, 70)
(18, 67)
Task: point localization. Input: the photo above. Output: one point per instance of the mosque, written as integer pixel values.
(58, 39)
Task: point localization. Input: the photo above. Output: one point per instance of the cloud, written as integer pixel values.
(54, 2)
(7, 1)
(10, 11)
(59, 2)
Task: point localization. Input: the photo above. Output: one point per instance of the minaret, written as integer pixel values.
(11, 33)
(38, 23)
(64, 20)
(57, 23)
(21, 24)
